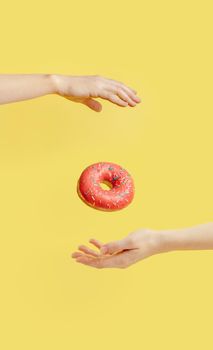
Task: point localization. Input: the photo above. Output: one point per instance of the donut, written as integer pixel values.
(119, 181)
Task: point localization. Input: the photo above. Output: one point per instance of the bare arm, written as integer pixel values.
(143, 243)
(82, 89)
(197, 237)
(19, 87)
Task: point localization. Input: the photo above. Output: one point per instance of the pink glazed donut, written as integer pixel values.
(121, 186)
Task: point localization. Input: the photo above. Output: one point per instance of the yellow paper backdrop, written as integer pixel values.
(163, 50)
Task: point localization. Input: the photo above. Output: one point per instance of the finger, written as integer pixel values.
(112, 97)
(96, 243)
(131, 94)
(88, 250)
(116, 246)
(120, 87)
(116, 82)
(95, 262)
(76, 254)
(87, 260)
(93, 104)
(119, 260)
(122, 94)
(117, 100)
(128, 87)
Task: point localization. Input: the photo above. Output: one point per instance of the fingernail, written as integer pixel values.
(103, 250)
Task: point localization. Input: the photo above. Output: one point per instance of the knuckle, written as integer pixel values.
(119, 90)
(112, 97)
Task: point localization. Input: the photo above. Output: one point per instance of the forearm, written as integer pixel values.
(193, 238)
(19, 87)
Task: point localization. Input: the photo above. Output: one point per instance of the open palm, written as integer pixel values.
(121, 253)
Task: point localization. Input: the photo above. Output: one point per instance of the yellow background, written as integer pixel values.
(163, 50)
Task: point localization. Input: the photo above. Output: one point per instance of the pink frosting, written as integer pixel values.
(122, 187)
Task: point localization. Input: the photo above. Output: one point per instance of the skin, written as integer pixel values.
(137, 245)
(142, 244)
(81, 89)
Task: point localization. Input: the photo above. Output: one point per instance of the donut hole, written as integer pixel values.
(106, 185)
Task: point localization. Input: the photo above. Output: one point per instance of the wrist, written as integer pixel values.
(55, 83)
(155, 240)
(164, 240)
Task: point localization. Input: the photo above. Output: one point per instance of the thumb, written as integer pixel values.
(116, 246)
(93, 104)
